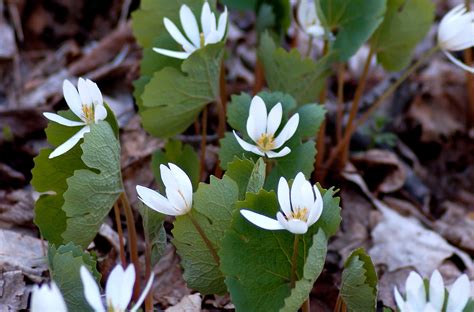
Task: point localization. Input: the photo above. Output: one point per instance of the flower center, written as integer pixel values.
(88, 113)
(202, 40)
(299, 214)
(266, 142)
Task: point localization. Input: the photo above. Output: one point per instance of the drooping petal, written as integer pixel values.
(63, 121)
(174, 54)
(144, 294)
(84, 93)
(91, 290)
(274, 119)
(47, 298)
(436, 290)
(257, 120)
(317, 208)
(459, 63)
(95, 93)
(100, 113)
(285, 151)
(155, 201)
(177, 35)
(415, 291)
(459, 294)
(205, 18)
(70, 143)
(247, 146)
(222, 25)
(288, 131)
(261, 221)
(190, 25)
(284, 196)
(185, 185)
(399, 300)
(72, 98)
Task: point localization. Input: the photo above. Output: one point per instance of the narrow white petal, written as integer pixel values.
(248, 147)
(274, 119)
(222, 25)
(63, 121)
(100, 113)
(47, 298)
(155, 201)
(317, 208)
(205, 18)
(213, 37)
(144, 293)
(307, 196)
(285, 151)
(168, 178)
(459, 294)
(174, 54)
(430, 308)
(126, 287)
(284, 196)
(185, 185)
(459, 63)
(296, 191)
(399, 300)
(190, 25)
(84, 93)
(176, 34)
(436, 290)
(70, 143)
(257, 120)
(91, 290)
(95, 93)
(315, 31)
(176, 199)
(416, 294)
(72, 98)
(287, 131)
(113, 287)
(261, 221)
(297, 226)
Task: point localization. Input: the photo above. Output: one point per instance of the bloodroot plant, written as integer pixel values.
(254, 224)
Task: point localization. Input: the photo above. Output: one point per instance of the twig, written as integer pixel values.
(340, 101)
(123, 259)
(320, 143)
(203, 142)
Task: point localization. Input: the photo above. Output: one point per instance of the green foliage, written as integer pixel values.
(257, 262)
(287, 72)
(154, 232)
(176, 98)
(377, 134)
(469, 306)
(240, 4)
(405, 24)
(273, 14)
(181, 155)
(359, 283)
(353, 21)
(248, 175)
(212, 212)
(64, 264)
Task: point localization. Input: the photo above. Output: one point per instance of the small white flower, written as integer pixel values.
(456, 33)
(308, 18)
(47, 298)
(212, 31)
(261, 128)
(417, 299)
(118, 290)
(179, 192)
(300, 208)
(87, 104)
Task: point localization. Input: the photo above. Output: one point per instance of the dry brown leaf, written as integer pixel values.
(190, 303)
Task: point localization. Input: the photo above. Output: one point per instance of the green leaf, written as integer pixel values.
(248, 175)
(281, 12)
(184, 156)
(64, 264)
(311, 118)
(312, 269)
(212, 211)
(405, 24)
(257, 262)
(469, 306)
(287, 72)
(353, 21)
(154, 231)
(176, 98)
(240, 4)
(359, 283)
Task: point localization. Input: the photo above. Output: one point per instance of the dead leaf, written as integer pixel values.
(190, 303)
(13, 293)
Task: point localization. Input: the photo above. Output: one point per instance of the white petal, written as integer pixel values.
(430, 308)
(190, 26)
(175, 54)
(274, 119)
(296, 191)
(176, 199)
(257, 120)
(144, 293)
(63, 121)
(416, 294)
(114, 287)
(213, 37)
(95, 93)
(47, 298)
(185, 185)
(248, 147)
(285, 151)
(436, 290)
(168, 178)
(84, 93)
(205, 18)
(72, 98)
(294, 226)
(221, 27)
(261, 221)
(459, 63)
(306, 195)
(288, 131)
(155, 201)
(459, 294)
(315, 31)
(399, 300)
(70, 143)
(176, 34)
(91, 290)
(284, 196)
(100, 113)
(317, 209)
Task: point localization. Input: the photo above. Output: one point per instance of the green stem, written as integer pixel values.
(206, 240)
(294, 261)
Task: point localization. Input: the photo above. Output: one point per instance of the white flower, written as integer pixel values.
(47, 298)
(118, 290)
(456, 33)
(417, 299)
(261, 128)
(87, 104)
(212, 31)
(301, 207)
(308, 18)
(179, 192)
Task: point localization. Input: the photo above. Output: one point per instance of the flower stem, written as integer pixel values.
(259, 77)
(123, 259)
(294, 261)
(468, 59)
(132, 240)
(203, 142)
(340, 101)
(222, 111)
(148, 272)
(206, 240)
(310, 48)
(306, 307)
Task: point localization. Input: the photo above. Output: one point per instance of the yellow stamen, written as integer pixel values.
(202, 39)
(88, 113)
(299, 214)
(266, 142)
